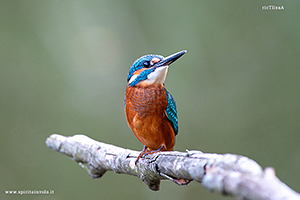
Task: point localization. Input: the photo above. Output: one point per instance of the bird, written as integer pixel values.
(150, 109)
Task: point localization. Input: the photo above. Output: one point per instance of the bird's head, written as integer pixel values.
(151, 69)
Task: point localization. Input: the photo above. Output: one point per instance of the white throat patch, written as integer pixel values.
(158, 76)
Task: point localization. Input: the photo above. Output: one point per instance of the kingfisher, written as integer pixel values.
(150, 109)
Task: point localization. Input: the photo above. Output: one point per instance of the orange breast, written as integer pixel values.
(145, 113)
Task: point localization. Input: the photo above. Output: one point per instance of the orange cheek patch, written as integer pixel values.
(137, 72)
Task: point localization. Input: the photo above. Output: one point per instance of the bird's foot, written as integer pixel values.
(141, 154)
(146, 152)
(155, 151)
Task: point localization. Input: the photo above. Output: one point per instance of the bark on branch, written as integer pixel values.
(228, 174)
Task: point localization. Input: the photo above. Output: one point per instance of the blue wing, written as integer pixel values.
(172, 112)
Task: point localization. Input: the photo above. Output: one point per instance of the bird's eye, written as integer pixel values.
(146, 64)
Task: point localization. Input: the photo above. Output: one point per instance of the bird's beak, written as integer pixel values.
(170, 59)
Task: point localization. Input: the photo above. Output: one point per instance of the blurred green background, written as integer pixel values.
(64, 66)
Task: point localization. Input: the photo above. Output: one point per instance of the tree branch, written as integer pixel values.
(229, 174)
